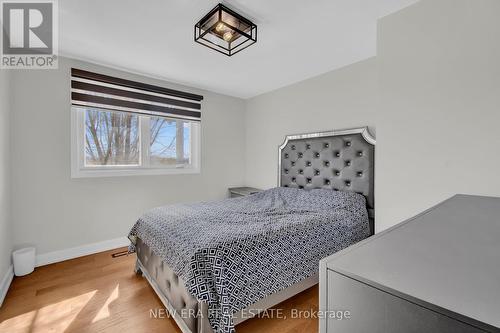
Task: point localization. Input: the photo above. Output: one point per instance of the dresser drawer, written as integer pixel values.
(375, 311)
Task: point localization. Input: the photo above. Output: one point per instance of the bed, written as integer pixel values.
(209, 263)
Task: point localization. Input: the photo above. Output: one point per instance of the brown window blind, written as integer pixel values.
(111, 93)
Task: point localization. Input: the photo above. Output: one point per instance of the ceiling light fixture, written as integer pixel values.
(225, 31)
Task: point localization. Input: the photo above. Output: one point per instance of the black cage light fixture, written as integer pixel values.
(225, 31)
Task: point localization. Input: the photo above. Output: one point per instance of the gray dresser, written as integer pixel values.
(437, 272)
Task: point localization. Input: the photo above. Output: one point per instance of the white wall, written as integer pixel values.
(342, 98)
(5, 217)
(437, 128)
(433, 94)
(55, 212)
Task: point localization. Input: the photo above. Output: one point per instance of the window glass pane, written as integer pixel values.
(111, 138)
(170, 142)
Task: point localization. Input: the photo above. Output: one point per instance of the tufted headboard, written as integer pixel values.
(338, 160)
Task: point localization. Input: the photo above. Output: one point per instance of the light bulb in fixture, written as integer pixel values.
(228, 35)
(220, 27)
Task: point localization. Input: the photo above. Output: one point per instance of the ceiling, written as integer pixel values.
(296, 39)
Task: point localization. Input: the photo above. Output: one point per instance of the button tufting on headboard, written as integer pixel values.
(336, 160)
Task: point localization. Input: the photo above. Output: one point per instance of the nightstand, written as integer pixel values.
(235, 192)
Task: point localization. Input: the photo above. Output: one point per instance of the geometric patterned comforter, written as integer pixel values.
(234, 252)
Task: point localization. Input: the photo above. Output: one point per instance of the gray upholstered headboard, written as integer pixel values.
(338, 160)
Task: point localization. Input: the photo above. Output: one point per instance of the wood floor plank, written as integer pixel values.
(98, 293)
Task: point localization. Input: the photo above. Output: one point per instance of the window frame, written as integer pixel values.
(79, 170)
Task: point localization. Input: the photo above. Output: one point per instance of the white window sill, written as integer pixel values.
(101, 173)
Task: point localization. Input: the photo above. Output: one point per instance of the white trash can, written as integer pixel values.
(24, 261)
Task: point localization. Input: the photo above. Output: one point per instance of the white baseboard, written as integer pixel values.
(79, 251)
(5, 284)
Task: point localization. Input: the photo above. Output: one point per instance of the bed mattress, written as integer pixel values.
(232, 253)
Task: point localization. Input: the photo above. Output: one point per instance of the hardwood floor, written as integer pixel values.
(98, 293)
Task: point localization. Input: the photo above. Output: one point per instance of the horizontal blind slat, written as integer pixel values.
(114, 108)
(130, 94)
(85, 98)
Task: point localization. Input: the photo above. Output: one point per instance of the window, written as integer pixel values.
(120, 132)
